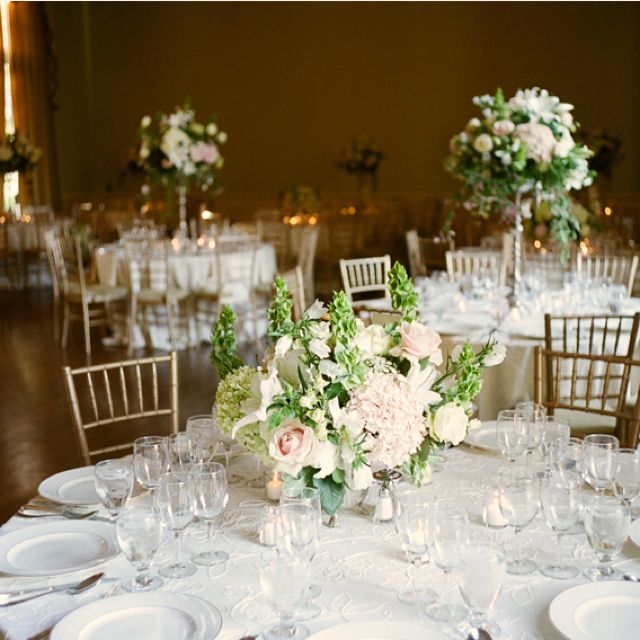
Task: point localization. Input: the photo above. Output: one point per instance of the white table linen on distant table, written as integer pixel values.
(359, 566)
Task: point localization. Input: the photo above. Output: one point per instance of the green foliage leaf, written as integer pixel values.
(331, 493)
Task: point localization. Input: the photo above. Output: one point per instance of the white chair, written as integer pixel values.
(615, 269)
(363, 276)
(481, 264)
(417, 264)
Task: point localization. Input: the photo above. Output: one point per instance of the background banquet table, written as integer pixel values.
(359, 566)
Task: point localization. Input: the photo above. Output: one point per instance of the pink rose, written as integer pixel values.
(503, 127)
(418, 342)
(203, 152)
(291, 445)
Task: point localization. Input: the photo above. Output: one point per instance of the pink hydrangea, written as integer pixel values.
(539, 140)
(205, 152)
(391, 416)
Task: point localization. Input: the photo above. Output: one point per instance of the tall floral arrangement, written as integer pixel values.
(333, 396)
(18, 154)
(362, 157)
(521, 150)
(176, 147)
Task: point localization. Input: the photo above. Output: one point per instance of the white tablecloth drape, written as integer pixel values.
(359, 566)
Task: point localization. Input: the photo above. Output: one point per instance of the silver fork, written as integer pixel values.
(44, 634)
(71, 515)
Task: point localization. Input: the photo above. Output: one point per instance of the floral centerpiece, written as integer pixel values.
(520, 151)
(175, 150)
(18, 154)
(361, 158)
(333, 396)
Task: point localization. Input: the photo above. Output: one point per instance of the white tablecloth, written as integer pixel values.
(359, 567)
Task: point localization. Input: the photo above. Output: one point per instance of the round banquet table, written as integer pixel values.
(359, 566)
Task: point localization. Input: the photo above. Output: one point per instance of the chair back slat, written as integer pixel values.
(107, 385)
(616, 269)
(365, 275)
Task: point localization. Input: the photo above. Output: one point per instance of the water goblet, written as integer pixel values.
(511, 434)
(114, 484)
(202, 429)
(555, 438)
(449, 531)
(570, 464)
(175, 502)
(139, 532)
(150, 461)
(626, 482)
(600, 460)
(518, 497)
(210, 494)
(284, 580)
(186, 449)
(414, 525)
(481, 567)
(534, 416)
(560, 499)
(606, 521)
(227, 443)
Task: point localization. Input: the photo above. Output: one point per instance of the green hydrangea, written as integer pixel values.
(232, 391)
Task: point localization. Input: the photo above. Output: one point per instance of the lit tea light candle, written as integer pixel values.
(492, 515)
(273, 484)
(267, 534)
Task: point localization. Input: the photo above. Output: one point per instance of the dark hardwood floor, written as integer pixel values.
(36, 438)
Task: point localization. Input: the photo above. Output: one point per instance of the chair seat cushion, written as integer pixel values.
(583, 423)
(160, 296)
(97, 292)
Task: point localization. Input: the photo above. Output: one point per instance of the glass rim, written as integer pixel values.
(213, 468)
(150, 440)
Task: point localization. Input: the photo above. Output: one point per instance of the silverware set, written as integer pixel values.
(47, 508)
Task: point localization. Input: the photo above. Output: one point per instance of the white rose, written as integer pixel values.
(372, 340)
(450, 423)
(497, 355)
(483, 143)
(319, 348)
(145, 122)
(291, 445)
(212, 129)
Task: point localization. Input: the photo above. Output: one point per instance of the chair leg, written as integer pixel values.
(65, 325)
(87, 329)
(170, 321)
(132, 311)
(194, 302)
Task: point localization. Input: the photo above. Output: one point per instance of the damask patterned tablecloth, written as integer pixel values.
(359, 566)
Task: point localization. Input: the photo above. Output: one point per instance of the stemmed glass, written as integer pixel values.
(560, 498)
(186, 449)
(600, 460)
(511, 433)
(139, 532)
(284, 581)
(414, 524)
(518, 497)
(114, 484)
(210, 493)
(626, 482)
(555, 439)
(606, 521)
(449, 530)
(227, 443)
(202, 428)
(482, 568)
(175, 501)
(534, 417)
(150, 461)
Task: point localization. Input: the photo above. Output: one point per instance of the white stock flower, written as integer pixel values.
(324, 457)
(283, 345)
(315, 311)
(330, 369)
(175, 145)
(483, 143)
(319, 348)
(290, 365)
(497, 355)
(221, 137)
(565, 144)
(371, 340)
(212, 129)
(450, 423)
(320, 330)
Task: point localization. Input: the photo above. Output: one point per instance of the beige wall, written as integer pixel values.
(291, 82)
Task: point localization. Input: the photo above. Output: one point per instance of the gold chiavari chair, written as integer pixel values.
(365, 276)
(272, 230)
(116, 394)
(617, 269)
(589, 384)
(417, 265)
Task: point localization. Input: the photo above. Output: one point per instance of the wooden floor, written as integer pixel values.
(36, 439)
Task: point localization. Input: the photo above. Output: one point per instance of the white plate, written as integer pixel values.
(378, 631)
(55, 548)
(598, 611)
(484, 437)
(141, 616)
(634, 532)
(75, 486)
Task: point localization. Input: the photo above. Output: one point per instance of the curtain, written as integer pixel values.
(33, 97)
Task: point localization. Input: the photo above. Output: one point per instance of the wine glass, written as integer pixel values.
(606, 521)
(511, 434)
(414, 524)
(210, 493)
(175, 501)
(150, 461)
(202, 429)
(555, 439)
(449, 530)
(626, 482)
(534, 416)
(482, 568)
(284, 581)
(186, 449)
(560, 498)
(139, 532)
(518, 497)
(600, 460)
(227, 443)
(570, 465)
(114, 484)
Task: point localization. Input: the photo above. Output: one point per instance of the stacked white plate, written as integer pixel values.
(73, 487)
(484, 437)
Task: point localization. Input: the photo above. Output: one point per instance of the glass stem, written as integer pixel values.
(559, 557)
(210, 535)
(227, 461)
(518, 554)
(413, 571)
(177, 535)
(447, 588)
